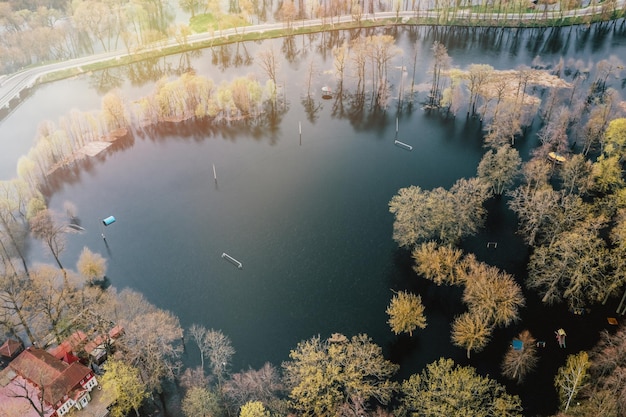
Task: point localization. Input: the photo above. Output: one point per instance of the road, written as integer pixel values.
(11, 86)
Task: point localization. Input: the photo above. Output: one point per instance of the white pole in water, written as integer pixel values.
(214, 173)
(300, 130)
(396, 125)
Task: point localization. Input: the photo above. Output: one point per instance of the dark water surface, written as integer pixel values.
(307, 218)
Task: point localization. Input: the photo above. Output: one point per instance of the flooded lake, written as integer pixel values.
(306, 215)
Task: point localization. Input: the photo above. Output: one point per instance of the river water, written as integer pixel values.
(306, 215)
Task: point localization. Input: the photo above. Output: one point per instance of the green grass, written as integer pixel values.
(207, 22)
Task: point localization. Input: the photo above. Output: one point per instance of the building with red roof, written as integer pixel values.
(61, 386)
(72, 344)
(11, 348)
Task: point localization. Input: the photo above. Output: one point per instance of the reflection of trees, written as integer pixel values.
(330, 40)
(311, 108)
(141, 72)
(184, 61)
(221, 56)
(106, 80)
(242, 56)
(290, 50)
(359, 110)
(150, 69)
(338, 110)
(159, 14)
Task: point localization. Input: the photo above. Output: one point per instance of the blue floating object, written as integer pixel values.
(518, 344)
(109, 220)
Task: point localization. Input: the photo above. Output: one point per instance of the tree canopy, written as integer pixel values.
(439, 214)
(500, 168)
(123, 385)
(574, 268)
(444, 388)
(406, 313)
(323, 375)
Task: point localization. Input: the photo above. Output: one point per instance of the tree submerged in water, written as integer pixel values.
(325, 375)
(519, 361)
(439, 214)
(406, 313)
(447, 389)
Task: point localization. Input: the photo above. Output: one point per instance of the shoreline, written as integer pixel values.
(16, 83)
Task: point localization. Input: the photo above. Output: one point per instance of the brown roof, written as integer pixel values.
(116, 332)
(113, 334)
(65, 383)
(38, 366)
(91, 346)
(55, 377)
(70, 345)
(10, 348)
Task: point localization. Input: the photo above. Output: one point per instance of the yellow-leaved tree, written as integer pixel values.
(324, 376)
(122, 385)
(254, 409)
(406, 313)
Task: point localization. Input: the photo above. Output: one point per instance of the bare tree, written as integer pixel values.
(15, 196)
(46, 226)
(477, 76)
(605, 68)
(220, 351)
(52, 298)
(441, 62)
(444, 388)
(340, 54)
(518, 362)
(576, 175)
(381, 49)
(262, 385)
(16, 312)
(114, 111)
(269, 64)
(358, 56)
(446, 216)
(535, 211)
(198, 334)
(152, 343)
(607, 368)
(193, 377)
(32, 395)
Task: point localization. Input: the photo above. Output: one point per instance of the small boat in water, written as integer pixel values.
(557, 158)
(327, 92)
